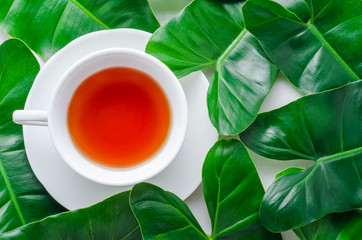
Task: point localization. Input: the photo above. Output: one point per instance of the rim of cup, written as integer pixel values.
(95, 62)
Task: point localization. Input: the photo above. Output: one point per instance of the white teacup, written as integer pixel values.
(56, 117)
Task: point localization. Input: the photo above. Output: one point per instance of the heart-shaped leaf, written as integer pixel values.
(163, 215)
(232, 191)
(331, 227)
(325, 128)
(47, 26)
(317, 44)
(22, 198)
(335, 226)
(109, 219)
(212, 33)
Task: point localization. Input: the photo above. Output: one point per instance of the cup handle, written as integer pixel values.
(31, 117)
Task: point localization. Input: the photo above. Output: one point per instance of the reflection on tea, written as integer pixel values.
(119, 117)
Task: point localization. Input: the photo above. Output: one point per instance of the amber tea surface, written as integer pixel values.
(119, 117)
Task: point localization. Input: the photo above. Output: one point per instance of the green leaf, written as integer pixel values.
(211, 33)
(233, 193)
(47, 26)
(22, 198)
(289, 171)
(168, 6)
(162, 215)
(109, 219)
(317, 44)
(325, 128)
(335, 226)
(331, 227)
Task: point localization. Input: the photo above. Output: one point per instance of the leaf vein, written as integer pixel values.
(81, 7)
(326, 44)
(178, 211)
(322, 10)
(11, 192)
(58, 22)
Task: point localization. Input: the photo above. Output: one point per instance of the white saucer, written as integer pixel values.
(71, 190)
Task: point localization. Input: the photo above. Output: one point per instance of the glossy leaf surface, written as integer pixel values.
(109, 219)
(47, 26)
(316, 43)
(162, 215)
(335, 226)
(325, 128)
(212, 33)
(232, 191)
(22, 198)
(289, 171)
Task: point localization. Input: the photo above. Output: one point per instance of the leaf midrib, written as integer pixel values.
(345, 154)
(81, 7)
(340, 155)
(230, 48)
(2, 168)
(325, 43)
(241, 222)
(337, 156)
(319, 161)
(182, 214)
(11, 193)
(310, 25)
(217, 206)
(220, 61)
(130, 233)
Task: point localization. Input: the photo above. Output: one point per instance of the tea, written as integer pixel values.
(119, 117)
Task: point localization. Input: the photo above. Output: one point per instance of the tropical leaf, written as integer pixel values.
(335, 226)
(212, 33)
(109, 219)
(162, 215)
(317, 44)
(325, 128)
(22, 198)
(232, 191)
(47, 26)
